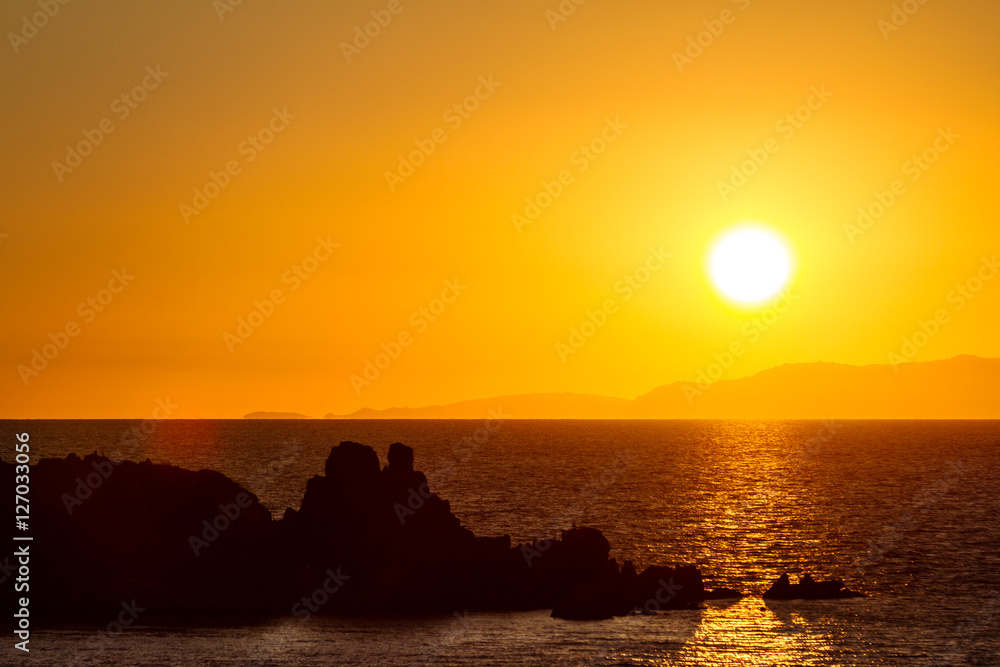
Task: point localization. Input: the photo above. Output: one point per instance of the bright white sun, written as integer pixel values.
(750, 264)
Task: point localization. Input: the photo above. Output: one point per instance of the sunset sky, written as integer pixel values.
(628, 120)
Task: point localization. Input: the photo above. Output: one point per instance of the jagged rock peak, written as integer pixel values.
(400, 458)
(352, 460)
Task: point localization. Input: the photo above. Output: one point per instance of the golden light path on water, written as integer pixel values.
(749, 633)
(742, 632)
(758, 495)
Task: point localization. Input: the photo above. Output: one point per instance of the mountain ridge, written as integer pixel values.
(963, 387)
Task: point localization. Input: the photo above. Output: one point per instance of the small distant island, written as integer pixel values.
(275, 415)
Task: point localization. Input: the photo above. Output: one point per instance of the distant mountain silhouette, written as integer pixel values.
(275, 415)
(522, 406)
(964, 387)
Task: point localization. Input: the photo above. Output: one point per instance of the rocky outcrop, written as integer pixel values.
(174, 540)
(808, 589)
(399, 543)
(366, 538)
(617, 593)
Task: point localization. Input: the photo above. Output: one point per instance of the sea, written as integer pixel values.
(906, 512)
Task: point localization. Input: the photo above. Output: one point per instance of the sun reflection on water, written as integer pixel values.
(748, 632)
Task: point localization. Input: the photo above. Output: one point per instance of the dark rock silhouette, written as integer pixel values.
(104, 533)
(365, 539)
(399, 543)
(614, 593)
(808, 589)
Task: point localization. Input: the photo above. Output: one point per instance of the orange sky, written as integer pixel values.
(308, 210)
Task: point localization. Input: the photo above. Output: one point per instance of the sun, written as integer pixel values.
(750, 263)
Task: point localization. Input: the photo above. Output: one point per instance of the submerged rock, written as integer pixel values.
(808, 589)
(723, 594)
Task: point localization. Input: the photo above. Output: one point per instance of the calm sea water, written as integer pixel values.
(906, 512)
